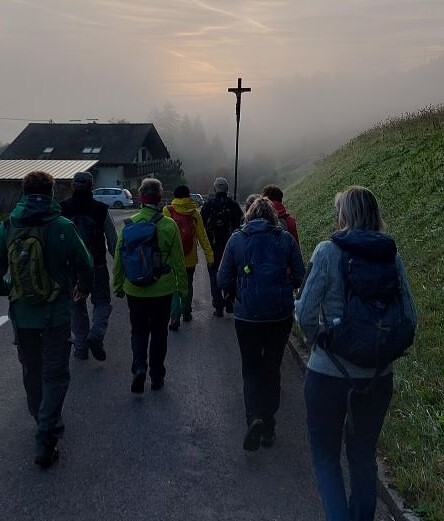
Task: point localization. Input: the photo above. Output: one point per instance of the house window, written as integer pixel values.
(96, 150)
(87, 150)
(48, 150)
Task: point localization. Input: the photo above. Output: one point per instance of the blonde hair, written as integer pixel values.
(356, 208)
(262, 208)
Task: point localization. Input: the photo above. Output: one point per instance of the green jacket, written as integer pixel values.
(170, 245)
(66, 258)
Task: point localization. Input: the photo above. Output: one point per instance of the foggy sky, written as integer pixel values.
(316, 67)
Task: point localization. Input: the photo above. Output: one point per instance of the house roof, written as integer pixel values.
(11, 169)
(110, 143)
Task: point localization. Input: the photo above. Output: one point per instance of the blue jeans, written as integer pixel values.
(326, 402)
(149, 317)
(262, 347)
(44, 355)
(81, 328)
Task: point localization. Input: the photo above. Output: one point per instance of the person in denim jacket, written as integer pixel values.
(327, 389)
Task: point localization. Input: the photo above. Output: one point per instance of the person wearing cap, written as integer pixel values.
(221, 216)
(96, 227)
(286, 221)
(183, 206)
(42, 329)
(150, 306)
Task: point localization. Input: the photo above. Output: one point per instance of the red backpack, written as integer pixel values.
(187, 228)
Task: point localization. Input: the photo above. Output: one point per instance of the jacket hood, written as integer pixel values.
(280, 209)
(35, 209)
(184, 205)
(371, 245)
(259, 226)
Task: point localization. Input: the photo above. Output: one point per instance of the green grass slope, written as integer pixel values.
(402, 162)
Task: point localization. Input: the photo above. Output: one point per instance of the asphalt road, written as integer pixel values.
(170, 455)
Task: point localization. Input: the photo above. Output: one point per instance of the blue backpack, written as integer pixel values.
(374, 329)
(265, 290)
(140, 254)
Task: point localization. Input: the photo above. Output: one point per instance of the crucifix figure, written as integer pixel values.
(239, 90)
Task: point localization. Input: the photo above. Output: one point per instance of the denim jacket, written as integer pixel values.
(324, 285)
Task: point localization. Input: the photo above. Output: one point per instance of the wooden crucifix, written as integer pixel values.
(239, 90)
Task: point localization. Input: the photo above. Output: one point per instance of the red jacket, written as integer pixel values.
(289, 219)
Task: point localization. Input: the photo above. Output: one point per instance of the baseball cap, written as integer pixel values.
(82, 180)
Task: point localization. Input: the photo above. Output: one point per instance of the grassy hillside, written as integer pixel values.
(402, 162)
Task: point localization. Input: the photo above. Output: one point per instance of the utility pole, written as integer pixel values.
(239, 90)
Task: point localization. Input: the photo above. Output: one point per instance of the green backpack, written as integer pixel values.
(30, 279)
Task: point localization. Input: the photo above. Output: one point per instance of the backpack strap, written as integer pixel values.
(156, 217)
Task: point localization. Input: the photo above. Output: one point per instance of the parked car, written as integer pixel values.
(114, 197)
(198, 199)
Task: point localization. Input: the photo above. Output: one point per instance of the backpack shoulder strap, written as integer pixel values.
(156, 218)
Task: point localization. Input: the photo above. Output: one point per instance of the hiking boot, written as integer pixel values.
(187, 317)
(174, 325)
(268, 439)
(219, 312)
(138, 384)
(156, 385)
(46, 455)
(96, 348)
(81, 354)
(252, 438)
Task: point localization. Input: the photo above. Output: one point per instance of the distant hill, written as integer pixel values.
(402, 162)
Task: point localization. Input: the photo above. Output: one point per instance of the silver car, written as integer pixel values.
(114, 197)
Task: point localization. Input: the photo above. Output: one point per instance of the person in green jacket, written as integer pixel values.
(43, 327)
(184, 211)
(149, 306)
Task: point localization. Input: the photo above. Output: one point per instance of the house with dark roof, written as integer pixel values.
(124, 153)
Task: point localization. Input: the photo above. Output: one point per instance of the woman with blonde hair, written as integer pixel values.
(261, 267)
(340, 392)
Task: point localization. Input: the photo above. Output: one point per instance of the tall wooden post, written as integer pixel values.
(239, 90)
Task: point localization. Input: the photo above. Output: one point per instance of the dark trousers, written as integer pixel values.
(218, 300)
(149, 317)
(326, 402)
(44, 355)
(262, 347)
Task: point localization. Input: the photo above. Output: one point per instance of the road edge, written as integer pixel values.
(386, 491)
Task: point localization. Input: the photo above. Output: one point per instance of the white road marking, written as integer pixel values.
(3, 320)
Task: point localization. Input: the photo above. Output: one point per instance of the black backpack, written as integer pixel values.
(374, 329)
(87, 228)
(219, 225)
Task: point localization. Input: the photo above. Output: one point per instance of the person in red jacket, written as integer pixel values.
(287, 221)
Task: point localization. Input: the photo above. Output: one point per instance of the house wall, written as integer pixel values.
(108, 176)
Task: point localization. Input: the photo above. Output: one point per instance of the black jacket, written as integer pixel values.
(82, 203)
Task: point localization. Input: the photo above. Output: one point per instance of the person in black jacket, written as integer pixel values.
(221, 216)
(96, 227)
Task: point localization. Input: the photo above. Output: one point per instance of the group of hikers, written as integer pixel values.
(353, 305)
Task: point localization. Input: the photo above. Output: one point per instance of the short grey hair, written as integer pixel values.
(151, 186)
(262, 208)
